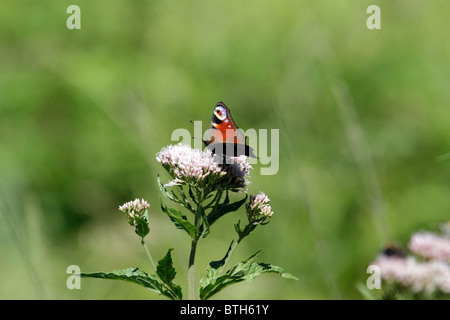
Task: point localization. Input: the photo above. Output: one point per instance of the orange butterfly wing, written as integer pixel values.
(225, 133)
(223, 129)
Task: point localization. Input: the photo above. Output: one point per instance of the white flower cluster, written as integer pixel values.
(425, 271)
(258, 208)
(426, 277)
(197, 168)
(430, 246)
(134, 208)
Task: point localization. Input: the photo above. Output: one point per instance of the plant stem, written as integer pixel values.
(149, 255)
(191, 283)
(154, 269)
(249, 228)
(191, 268)
(235, 244)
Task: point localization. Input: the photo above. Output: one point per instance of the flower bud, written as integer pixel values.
(134, 209)
(258, 209)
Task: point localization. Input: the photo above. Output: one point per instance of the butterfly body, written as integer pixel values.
(226, 138)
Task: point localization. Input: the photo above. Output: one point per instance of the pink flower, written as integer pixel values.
(430, 246)
(258, 209)
(237, 170)
(426, 277)
(135, 208)
(202, 169)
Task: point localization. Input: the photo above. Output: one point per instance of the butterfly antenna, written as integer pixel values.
(190, 120)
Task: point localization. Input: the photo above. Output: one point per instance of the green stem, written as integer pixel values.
(215, 200)
(191, 267)
(249, 228)
(229, 257)
(191, 270)
(154, 269)
(149, 255)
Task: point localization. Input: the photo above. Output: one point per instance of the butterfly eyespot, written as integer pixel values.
(220, 113)
(224, 132)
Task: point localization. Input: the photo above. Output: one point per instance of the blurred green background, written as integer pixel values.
(363, 115)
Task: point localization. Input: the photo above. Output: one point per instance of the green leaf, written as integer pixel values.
(141, 226)
(217, 264)
(166, 272)
(242, 233)
(133, 275)
(166, 193)
(166, 210)
(172, 196)
(237, 227)
(180, 221)
(246, 270)
(213, 283)
(225, 207)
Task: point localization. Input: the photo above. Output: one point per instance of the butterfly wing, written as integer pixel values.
(223, 128)
(226, 137)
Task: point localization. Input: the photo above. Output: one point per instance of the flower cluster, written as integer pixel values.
(134, 209)
(237, 170)
(430, 246)
(421, 277)
(187, 165)
(258, 209)
(425, 270)
(203, 169)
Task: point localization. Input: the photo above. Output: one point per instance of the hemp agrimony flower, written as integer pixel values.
(203, 170)
(136, 212)
(134, 208)
(421, 272)
(258, 208)
(259, 212)
(188, 165)
(420, 277)
(237, 170)
(430, 246)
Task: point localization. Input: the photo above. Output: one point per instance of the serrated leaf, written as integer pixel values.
(177, 225)
(166, 272)
(180, 221)
(133, 275)
(214, 283)
(224, 208)
(141, 226)
(166, 193)
(246, 270)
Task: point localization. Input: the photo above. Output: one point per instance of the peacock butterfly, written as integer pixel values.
(226, 138)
